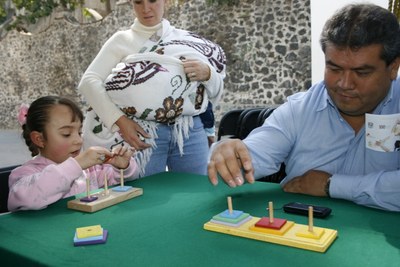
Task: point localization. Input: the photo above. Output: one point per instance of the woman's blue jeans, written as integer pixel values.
(166, 154)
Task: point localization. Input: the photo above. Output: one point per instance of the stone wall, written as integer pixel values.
(267, 43)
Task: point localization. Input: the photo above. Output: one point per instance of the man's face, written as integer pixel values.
(357, 80)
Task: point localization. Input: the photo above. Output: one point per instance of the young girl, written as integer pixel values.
(52, 131)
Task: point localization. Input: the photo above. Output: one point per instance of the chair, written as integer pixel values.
(4, 174)
(240, 118)
(248, 120)
(228, 125)
(260, 119)
(275, 177)
(264, 115)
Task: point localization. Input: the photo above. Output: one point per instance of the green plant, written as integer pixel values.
(25, 12)
(394, 7)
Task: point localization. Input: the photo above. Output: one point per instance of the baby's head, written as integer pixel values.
(39, 115)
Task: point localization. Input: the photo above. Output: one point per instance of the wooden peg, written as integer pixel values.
(122, 177)
(271, 212)
(230, 205)
(310, 219)
(105, 184)
(88, 197)
(88, 187)
(122, 187)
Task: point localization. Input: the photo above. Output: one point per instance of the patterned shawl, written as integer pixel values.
(151, 87)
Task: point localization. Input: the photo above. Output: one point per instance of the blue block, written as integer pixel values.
(234, 215)
(122, 188)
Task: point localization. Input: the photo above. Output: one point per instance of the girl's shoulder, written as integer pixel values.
(35, 164)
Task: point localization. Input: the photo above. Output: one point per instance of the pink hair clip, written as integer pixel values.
(22, 112)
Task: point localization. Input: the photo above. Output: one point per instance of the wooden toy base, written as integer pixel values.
(104, 200)
(289, 238)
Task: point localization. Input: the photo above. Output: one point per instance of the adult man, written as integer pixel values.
(320, 134)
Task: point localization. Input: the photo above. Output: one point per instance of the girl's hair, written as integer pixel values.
(38, 116)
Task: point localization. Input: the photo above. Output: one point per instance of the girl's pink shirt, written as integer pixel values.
(41, 182)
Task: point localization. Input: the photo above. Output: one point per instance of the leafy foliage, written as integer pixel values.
(394, 7)
(25, 12)
(29, 11)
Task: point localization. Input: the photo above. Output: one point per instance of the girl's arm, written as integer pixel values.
(34, 186)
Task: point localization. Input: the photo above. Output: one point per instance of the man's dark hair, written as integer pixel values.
(360, 25)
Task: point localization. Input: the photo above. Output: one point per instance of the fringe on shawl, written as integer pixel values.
(180, 132)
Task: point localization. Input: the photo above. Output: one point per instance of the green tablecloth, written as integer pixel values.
(164, 227)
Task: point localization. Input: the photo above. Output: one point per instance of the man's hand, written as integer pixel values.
(312, 183)
(228, 158)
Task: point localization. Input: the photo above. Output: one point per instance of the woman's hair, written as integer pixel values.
(38, 116)
(359, 25)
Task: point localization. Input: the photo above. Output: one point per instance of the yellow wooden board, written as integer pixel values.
(104, 200)
(289, 238)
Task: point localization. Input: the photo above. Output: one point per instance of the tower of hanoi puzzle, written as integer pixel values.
(273, 230)
(105, 198)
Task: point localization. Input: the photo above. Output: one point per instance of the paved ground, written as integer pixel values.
(13, 150)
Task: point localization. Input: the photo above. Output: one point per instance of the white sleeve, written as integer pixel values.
(92, 86)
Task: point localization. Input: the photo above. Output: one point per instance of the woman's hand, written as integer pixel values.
(132, 133)
(196, 70)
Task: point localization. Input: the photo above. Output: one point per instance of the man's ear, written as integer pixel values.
(37, 139)
(395, 68)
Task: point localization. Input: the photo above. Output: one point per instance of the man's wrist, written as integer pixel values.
(327, 185)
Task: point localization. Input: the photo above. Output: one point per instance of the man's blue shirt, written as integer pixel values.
(308, 133)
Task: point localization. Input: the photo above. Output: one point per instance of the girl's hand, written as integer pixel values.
(93, 156)
(121, 156)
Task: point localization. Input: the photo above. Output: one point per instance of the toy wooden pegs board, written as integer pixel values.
(269, 229)
(104, 199)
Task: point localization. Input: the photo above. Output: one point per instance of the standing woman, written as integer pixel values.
(148, 85)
